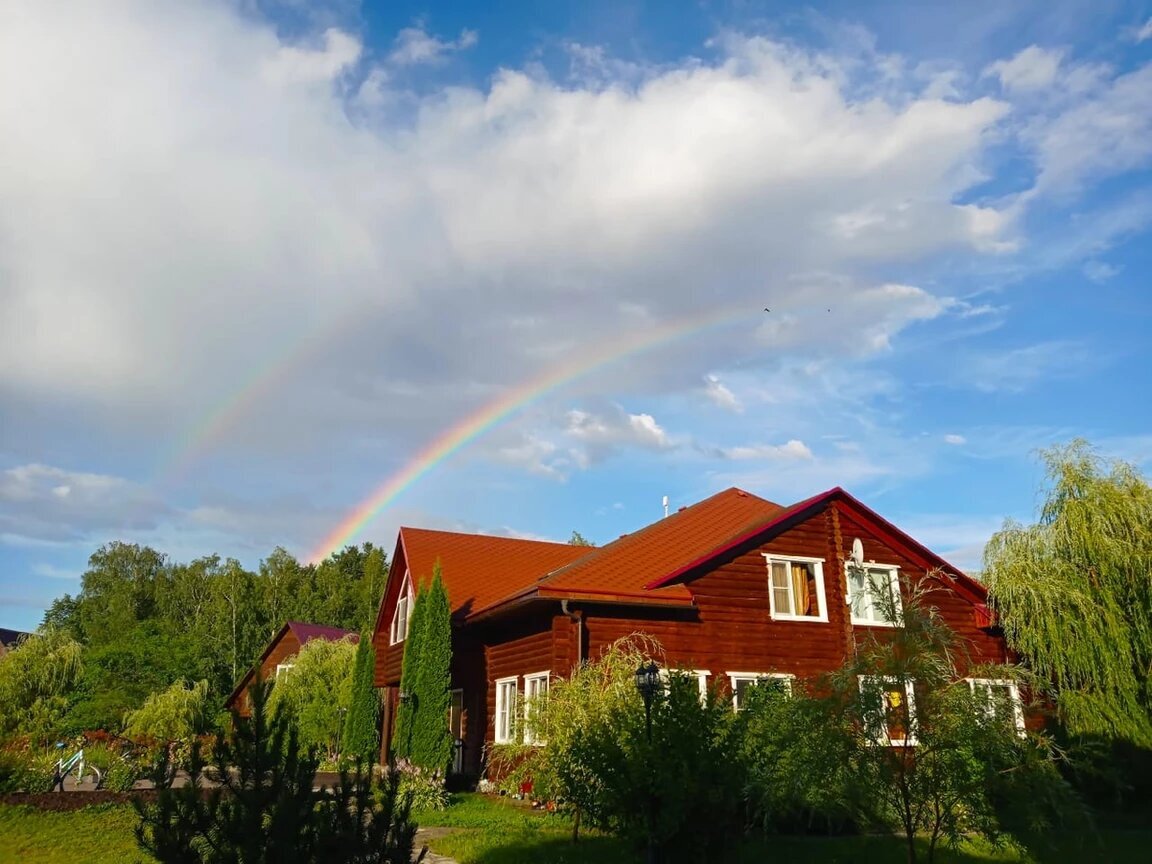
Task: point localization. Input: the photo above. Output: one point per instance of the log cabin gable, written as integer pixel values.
(389, 654)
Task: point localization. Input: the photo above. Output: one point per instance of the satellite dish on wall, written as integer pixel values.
(857, 552)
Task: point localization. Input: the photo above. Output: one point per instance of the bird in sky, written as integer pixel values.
(766, 309)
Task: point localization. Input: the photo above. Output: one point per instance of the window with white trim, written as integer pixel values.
(506, 697)
(889, 710)
(701, 676)
(403, 612)
(535, 688)
(1000, 698)
(871, 587)
(796, 588)
(284, 667)
(741, 682)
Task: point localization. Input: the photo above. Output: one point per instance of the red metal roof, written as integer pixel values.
(307, 632)
(479, 570)
(629, 566)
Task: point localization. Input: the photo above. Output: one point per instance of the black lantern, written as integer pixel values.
(648, 684)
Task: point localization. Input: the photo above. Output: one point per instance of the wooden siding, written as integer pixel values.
(958, 612)
(389, 658)
(285, 649)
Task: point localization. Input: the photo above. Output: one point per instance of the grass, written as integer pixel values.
(94, 835)
(487, 830)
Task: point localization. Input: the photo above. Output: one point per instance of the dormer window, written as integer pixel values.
(796, 588)
(403, 612)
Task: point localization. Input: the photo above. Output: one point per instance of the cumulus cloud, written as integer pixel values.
(1034, 68)
(617, 427)
(415, 45)
(718, 394)
(218, 221)
(1144, 32)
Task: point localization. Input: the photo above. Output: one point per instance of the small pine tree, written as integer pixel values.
(409, 672)
(266, 811)
(361, 739)
(431, 737)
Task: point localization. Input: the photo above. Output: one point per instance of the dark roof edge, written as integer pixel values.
(744, 537)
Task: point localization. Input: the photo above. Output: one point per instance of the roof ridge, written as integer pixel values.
(498, 537)
(651, 526)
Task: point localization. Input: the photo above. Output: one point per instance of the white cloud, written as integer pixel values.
(292, 64)
(955, 440)
(1144, 32)
(1034, 68)
(793, 449)
(414, 46)
(616, 428)
(1100, 271)
(718, 394)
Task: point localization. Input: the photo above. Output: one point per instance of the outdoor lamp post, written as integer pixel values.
(647, 682)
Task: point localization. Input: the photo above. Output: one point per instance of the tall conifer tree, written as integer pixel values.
(431, 736)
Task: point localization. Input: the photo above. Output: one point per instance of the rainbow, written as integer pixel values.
(476, 424)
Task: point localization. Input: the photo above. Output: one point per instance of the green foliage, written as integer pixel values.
(146, 621)
(409, 672)
(175, 714)
(798, 775)
(431, 737)
(265, 809)
(1074, 596)
(24, 770)
(424, 788)
(970, 771)
(361, 740)
(578, 539)
(683, 787)
(119, 767)
(316, 692)
(37, 678)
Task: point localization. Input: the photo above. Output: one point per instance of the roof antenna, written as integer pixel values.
(665, 506)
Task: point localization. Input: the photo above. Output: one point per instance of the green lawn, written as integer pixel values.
(94, 835)
(500, 831)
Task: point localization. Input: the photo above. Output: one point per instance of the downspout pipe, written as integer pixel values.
(576, 618)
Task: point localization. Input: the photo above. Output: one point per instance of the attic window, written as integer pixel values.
(796, 588)
(874, 594)
(402, 614)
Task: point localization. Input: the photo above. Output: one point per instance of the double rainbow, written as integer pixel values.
(476, 424)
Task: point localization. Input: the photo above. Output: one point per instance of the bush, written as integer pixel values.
(424, 788)
(175, 714)
(21, 770)
(798, 775)
(684, 787)
(121, 764)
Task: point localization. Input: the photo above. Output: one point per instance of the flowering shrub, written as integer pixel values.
(25, 769)
(425, 787)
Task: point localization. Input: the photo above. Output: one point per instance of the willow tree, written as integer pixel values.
(37, 680)
(1074, 593)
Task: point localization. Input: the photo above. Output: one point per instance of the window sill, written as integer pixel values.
(811, 619)
(867, 622)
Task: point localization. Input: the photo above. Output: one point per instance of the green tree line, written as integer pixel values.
(145, 621)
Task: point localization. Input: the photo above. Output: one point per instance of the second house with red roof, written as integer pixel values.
(735, 588)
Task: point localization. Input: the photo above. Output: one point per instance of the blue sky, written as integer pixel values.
(254, 255)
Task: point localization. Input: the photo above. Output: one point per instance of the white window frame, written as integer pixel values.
(701, 679)
(283, 667)
(755, 677)
(404, 602)
(909, 695)
(821, 594)
(894, 581)
(1014, 694)
(532, 692)
(504, 715)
